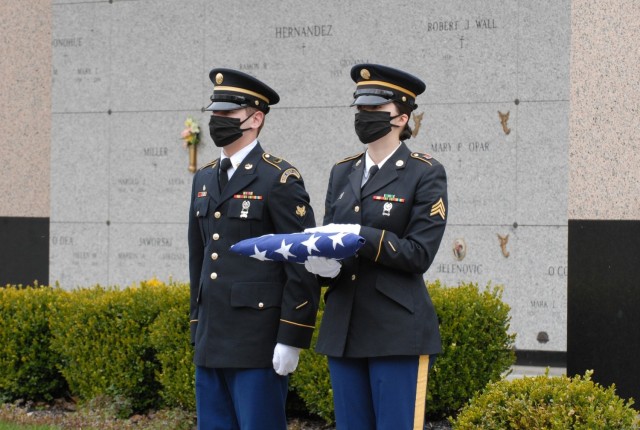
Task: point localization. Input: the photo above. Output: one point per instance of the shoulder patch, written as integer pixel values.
(211, 164)
(274, 161)
(289, 172)
(353, 157)
(422, 157)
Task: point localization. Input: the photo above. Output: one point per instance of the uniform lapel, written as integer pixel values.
(388, 173)
(355, 177)
(211, 181)
(244, 174)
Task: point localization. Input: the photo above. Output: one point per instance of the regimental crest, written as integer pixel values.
(301, 211)
(438, 208)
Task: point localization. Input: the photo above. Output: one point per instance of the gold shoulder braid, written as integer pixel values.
(211, 164)
(422, 157)
(270, 159)
(353, 157)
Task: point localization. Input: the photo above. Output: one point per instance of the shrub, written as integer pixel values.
(169, 335)
(102, 336)
(543, 402)
(27, 365)
(476, 346)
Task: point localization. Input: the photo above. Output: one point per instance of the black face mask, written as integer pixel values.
(371, 126)
(225, 130)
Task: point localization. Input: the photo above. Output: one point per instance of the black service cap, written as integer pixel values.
(233, 90)
(378, 85)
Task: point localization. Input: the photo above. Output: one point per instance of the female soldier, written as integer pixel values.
(379, 325)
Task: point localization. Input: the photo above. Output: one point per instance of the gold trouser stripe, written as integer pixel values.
(379, 246)
(421, 392)
(298, 324)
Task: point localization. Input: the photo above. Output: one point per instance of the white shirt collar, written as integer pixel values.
(236, 159)
(368, 162)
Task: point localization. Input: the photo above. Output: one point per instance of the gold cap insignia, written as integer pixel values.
(365, 74)
(257, 102)
(404, 99)
(301, 211)
(219, 78)
(438, 208)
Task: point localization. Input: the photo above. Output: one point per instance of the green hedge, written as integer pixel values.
(171, 340)
(543, 402)
(28, 367)
(477, 347)
(132, 345)
(102, 335)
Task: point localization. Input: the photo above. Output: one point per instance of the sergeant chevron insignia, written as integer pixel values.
(438, 208)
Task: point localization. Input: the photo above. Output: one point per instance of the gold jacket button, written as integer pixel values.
(261, 305)
(216, 236)
(353, 277)
(214, 256)
(214, 275)
(217, 214)
(357, 209)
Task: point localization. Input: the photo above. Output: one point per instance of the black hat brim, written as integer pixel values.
(369, 100)
(224, 106)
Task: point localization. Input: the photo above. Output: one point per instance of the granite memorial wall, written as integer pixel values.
(126, 74)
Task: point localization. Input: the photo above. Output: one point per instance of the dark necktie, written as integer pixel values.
(372, 171)
(225, 164)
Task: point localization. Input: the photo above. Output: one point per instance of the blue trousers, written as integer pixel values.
(240, 399)
(379, 393)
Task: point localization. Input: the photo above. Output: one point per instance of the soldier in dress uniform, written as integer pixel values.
(249, 318)
(379, 325)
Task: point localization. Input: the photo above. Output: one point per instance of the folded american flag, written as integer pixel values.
(296, 247)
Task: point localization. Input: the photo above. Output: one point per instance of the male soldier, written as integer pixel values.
(249, 318)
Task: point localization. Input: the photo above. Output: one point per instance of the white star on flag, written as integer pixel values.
(260, 255)
(337, 239)
(311, 244)
(284, 250)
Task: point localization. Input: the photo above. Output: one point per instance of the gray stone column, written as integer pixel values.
(603, 331)
(25, 140)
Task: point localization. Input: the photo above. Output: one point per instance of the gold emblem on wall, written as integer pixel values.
(417, 120)
(504, 118)
(503, 245)
(459, 249)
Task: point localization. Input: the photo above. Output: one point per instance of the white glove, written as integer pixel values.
(285, 359)
(335, 228)
(323, 266)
